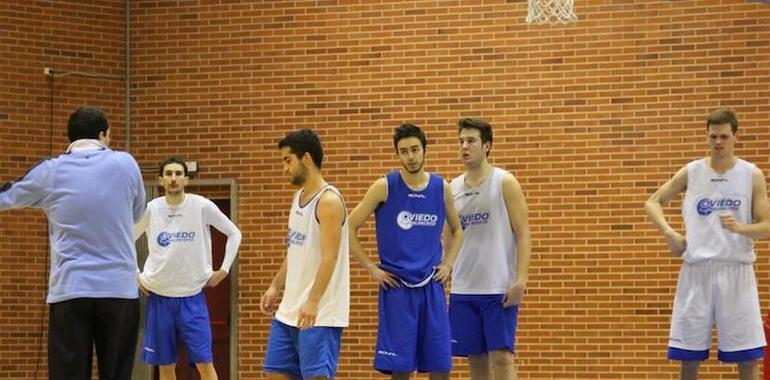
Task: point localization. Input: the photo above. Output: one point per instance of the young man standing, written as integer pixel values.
(315, 276)
(725, 208)
(410, 208)
(490, 275)
(92, 197)
(178, 267)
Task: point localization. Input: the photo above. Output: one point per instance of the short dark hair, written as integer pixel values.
(485, 130)
(409, 130)
(169, 161)
(304, 141)
(86, 123)
(723, 116)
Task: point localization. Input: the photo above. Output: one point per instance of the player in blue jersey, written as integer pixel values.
(410, 207)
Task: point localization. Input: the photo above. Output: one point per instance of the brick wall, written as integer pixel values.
(591, 117)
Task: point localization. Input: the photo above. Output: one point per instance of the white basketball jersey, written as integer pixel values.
(486, 263)
(303, 258)
(708, 195)
(179, 240)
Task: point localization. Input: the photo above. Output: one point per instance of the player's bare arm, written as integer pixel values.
(270, 299)
(377, 193)
(516, 206)
(654, 207)
(331, 216)
(453, 237)
(760, 211)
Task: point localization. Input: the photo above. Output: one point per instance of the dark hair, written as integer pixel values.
(86, 123)
(409, 130)
(723, 116)
(169, 161)
(485, 130)
(304, 141)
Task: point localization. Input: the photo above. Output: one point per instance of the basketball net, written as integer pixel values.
(550, 11)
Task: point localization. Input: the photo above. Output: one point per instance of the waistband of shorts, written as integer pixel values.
(420, 284)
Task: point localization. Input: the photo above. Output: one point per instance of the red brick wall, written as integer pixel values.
(86, 36)
(591, 117)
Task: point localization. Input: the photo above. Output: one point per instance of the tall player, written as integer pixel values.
(490, 276)
(725, 208)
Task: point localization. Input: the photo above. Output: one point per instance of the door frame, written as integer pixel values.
(143, 371)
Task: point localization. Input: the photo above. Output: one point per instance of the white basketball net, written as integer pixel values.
(550, 11)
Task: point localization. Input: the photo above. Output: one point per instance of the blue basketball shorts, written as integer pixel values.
(480, 324)
(170, 318)
(303, 354)
(413, 332)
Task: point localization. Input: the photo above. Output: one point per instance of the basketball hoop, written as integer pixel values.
(550, 11)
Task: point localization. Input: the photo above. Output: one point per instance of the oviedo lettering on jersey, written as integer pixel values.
(166, 238)
(406, 220)
(707, 206)
(474, 219)
(295, 238)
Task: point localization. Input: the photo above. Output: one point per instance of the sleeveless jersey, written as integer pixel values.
(303, 258)
(486, 263)
(409, 226)
(708, 195)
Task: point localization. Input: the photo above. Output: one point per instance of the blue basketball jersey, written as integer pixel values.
(409, 225)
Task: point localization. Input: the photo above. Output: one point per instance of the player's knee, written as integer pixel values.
(207, 371)
(167, 371)
(439, 376)
(501, 358)
(690, 367)
(476, 360)
(748, 365)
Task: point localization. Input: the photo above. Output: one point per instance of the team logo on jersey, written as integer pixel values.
(707, 206)
(474, 219)
(295, 237)
(416, 195)
(166, 238)
(406, 220)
